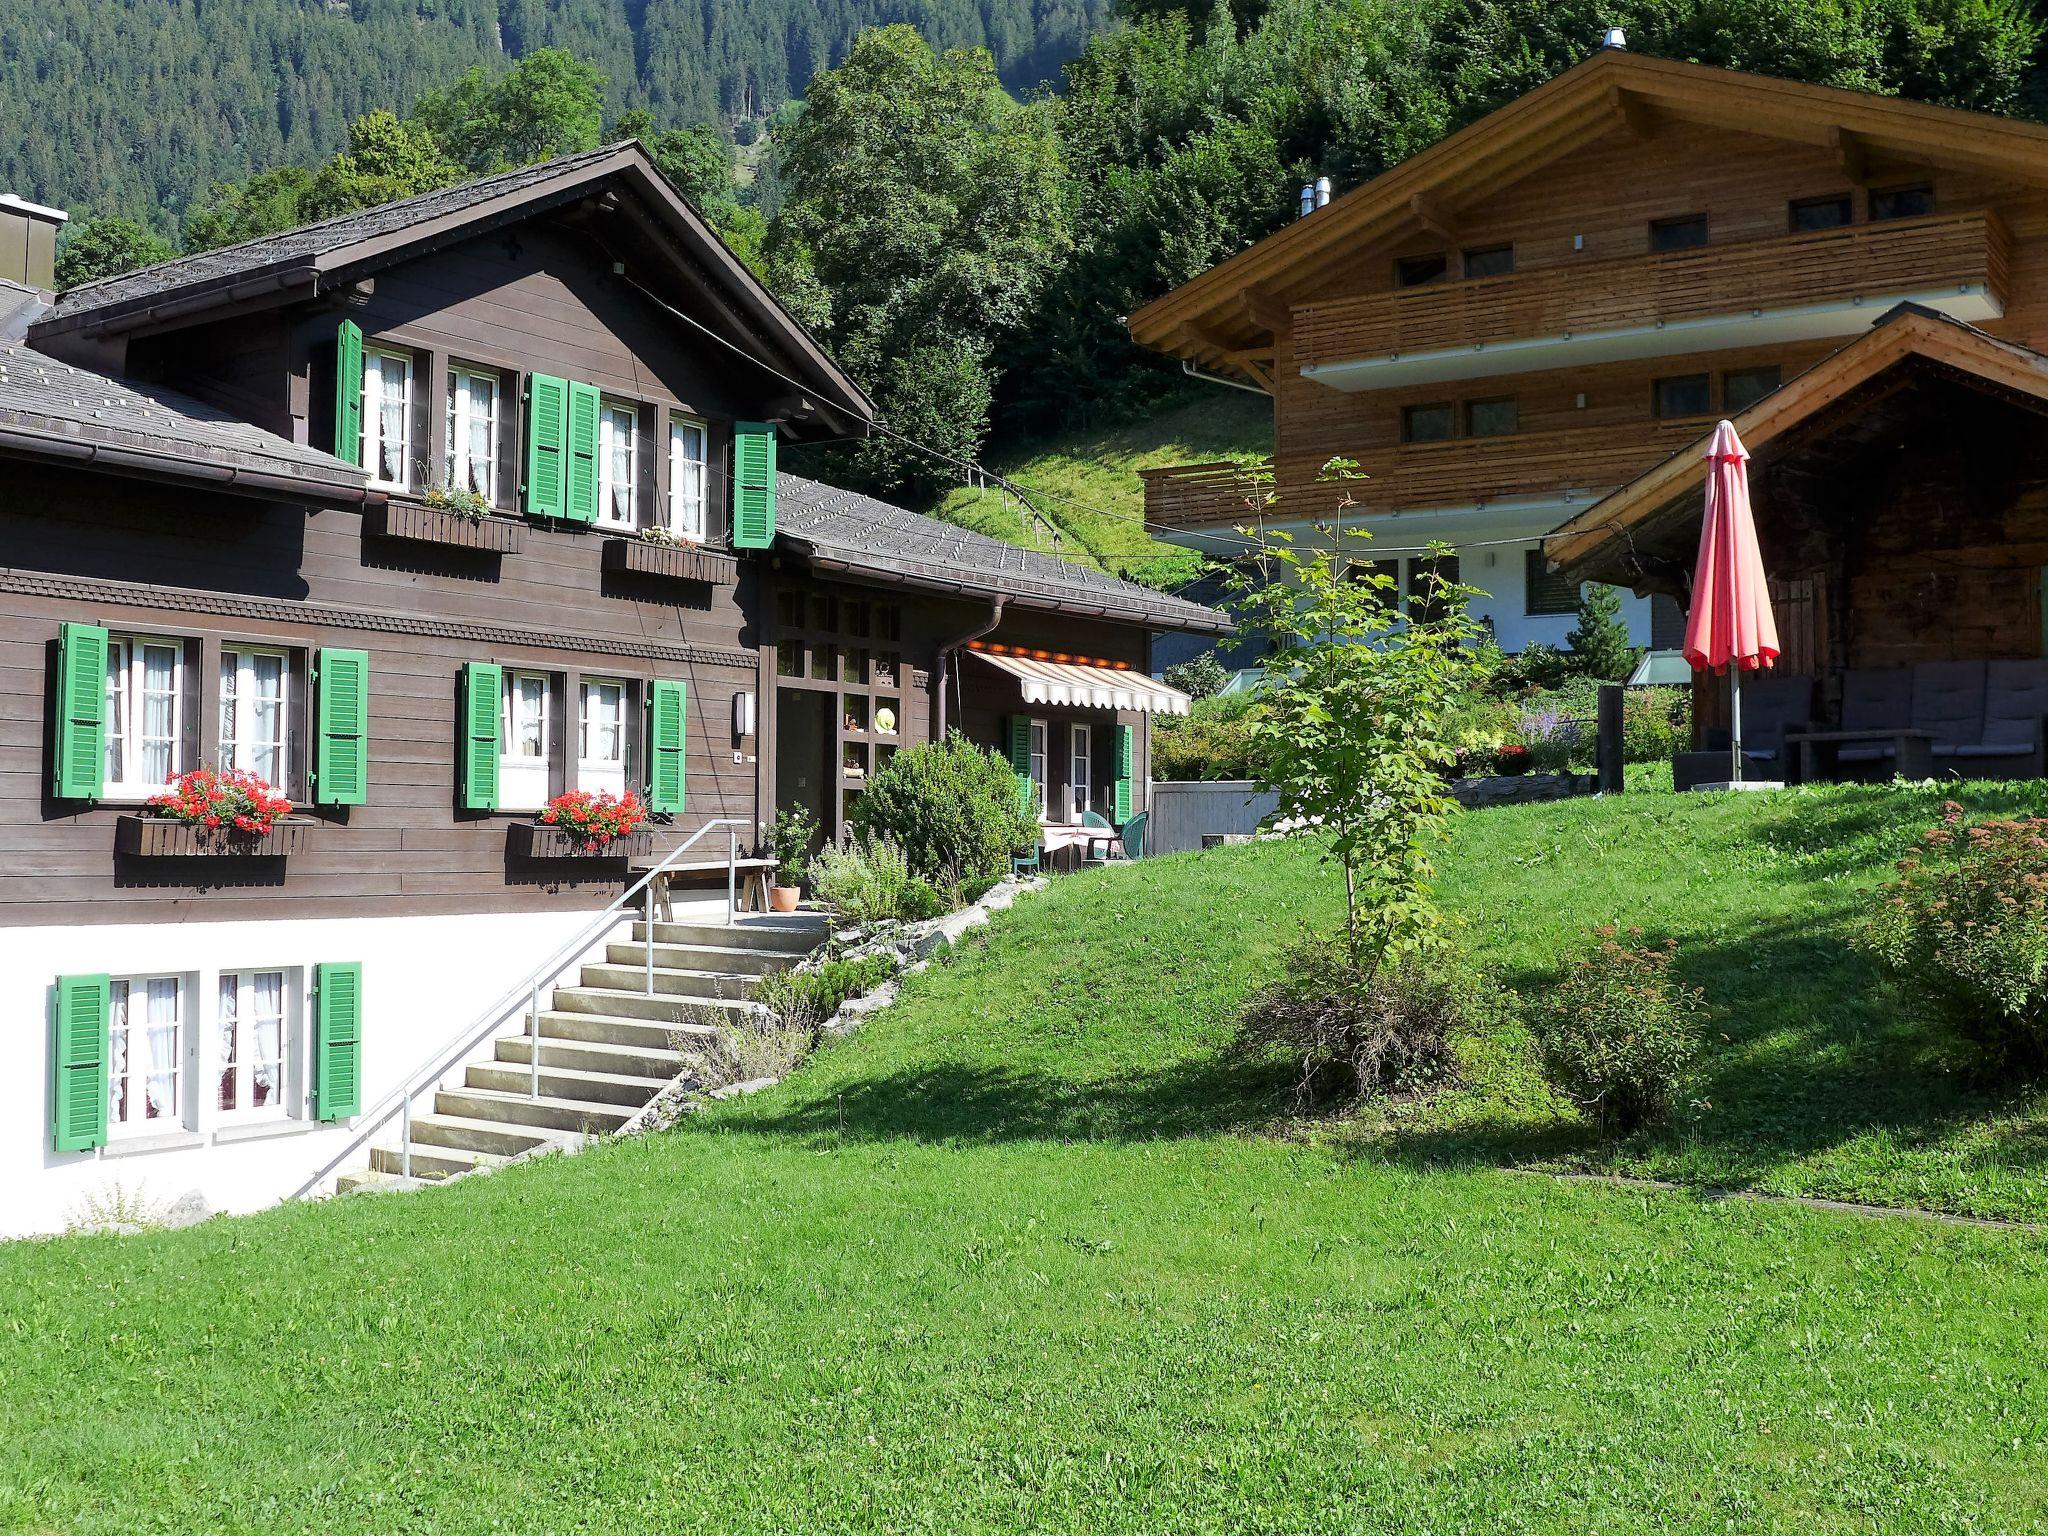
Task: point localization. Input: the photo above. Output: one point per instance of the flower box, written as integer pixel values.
(531, 840)
(671, 562)
(419, 523)
(159, 837)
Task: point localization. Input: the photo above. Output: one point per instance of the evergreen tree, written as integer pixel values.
(1599, 644)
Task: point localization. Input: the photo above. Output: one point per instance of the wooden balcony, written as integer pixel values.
(1464, 472)
(1795, 287)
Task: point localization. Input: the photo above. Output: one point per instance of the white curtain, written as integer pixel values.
(267, 719)
(230, 1025)
(159, 712)
(163, 1048)
(267, 1056)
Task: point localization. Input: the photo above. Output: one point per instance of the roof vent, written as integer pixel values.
(1314, 195)
(1614, 37)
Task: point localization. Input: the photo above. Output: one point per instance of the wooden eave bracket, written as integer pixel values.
(1266, 312)
(1850, 154)
(1433, 216)
(1630, 111)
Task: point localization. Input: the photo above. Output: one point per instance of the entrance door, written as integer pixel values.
(804, 762)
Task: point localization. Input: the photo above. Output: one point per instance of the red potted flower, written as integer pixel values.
(595, 823)
(223, 800)
(1511, 760)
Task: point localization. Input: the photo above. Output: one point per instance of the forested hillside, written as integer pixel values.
(137, 106)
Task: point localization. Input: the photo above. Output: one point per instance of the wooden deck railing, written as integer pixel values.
(1876, 260)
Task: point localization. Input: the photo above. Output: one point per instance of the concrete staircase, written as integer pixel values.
(606, 1048)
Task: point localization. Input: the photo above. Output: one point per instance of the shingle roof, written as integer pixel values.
(293, 246)
(874, 538)
(49, 407)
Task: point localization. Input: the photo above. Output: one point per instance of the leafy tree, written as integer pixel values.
(107, 246)
(387, 159)
(1199, 676)
(550, 103)
(263, 205)
(1600, 645)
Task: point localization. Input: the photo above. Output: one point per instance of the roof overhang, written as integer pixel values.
(1601, 543)
(1230, 312)
(1075, 684)
(137, 463)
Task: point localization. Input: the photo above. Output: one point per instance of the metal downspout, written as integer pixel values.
(943, 667)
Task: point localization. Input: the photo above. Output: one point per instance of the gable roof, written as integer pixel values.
(1599, 542)
(841, 530)
(1233, 305)
(54, 411)
(336, 252)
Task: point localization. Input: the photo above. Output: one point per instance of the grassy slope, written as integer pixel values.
(1102, 521)
(1010, 1259)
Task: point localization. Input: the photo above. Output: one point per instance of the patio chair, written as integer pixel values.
(2015, 723)
(1028, 863)
(1948, 700)
(1875, 699)
(1090, 821)
(1127, 842)
(1773, 707)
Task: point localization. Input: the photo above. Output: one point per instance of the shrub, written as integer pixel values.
(870, 882)
(820, 992)
(951, 807)
(789, 843)
(1352, 1032)
(1552, 738)
(1655, 722)
(1619, 1032)
(1965, 924)
(1198, 677)
(1599, 644)
(1215, 739)
(1537, 668)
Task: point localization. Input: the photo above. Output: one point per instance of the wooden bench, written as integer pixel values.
(752, 873)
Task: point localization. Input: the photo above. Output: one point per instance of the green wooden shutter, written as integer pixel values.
(337, 1039)
(1126, 752)
(668, 723)
(1017, 744)
(483, 688)
(341, 735)
(78, 763)
(78, 1055)
(753, 484)
(580, 499)
(547, 429)
(348, 393)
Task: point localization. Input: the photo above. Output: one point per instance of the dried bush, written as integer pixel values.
(1618, 1032)
(1965, 925)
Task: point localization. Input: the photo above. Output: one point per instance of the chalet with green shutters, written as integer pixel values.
(404, 525)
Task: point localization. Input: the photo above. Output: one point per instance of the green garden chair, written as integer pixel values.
(1027, 863)
(1090, 821)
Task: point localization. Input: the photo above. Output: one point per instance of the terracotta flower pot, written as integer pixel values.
(783, 898)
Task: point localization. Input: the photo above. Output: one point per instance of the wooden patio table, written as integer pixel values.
(1820, 751)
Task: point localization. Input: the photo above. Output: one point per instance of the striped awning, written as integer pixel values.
(1066, 682)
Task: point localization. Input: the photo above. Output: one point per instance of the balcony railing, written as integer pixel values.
(1881, 260)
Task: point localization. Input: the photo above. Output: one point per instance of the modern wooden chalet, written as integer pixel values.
(1550, 303)
(427, 514)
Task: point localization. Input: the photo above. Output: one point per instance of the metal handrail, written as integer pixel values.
(527, 990)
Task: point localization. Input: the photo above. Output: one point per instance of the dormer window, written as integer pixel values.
(473, 431)
(387, 418)
(686, 478)
(618, 464)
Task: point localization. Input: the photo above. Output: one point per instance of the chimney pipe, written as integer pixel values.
(28, 242)
(1614, 37)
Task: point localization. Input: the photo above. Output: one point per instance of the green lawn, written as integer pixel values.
(1092, 490)
(1021, 1256)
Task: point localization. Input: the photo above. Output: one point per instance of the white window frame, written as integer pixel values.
(128, 1074)
(518, 774)
(376, 360)
(1080, 768)
(229, 1056)
(688, 479)
(601, 774)
(126, 661)
(607, 432)
(236, 752)
(462, 413)
(1041, 764)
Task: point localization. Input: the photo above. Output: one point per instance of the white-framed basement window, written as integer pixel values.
(255, 689)
(687, 477)
(147, 1041)
(523, 767)
(146, 690)
(1039, 764)
(473, 431)
(1081, 770)
(255, 1034)
(618, 464)
(601, 736)
(387, 418)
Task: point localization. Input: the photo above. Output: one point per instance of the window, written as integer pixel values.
(252, 712)
(1414, 271)
(1491, 418)
(145, 1052)
(601, 736)
(523, 777)
(686, 479)
(1902, 202)
(1687, 395)
(1039, 766)
(1366, 570)
(1425, 575)
(618, 461)
(1743, 387)
(1428, 423)
(145, 714)
(1490, 261)
(1081, 779)
(1544, 591)
(253, 1038)
(1820, 213)
(387, 418)
(1680, 234)
(473, 431)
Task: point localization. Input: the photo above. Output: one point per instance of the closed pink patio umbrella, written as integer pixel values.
(1730, 628)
